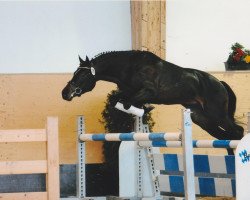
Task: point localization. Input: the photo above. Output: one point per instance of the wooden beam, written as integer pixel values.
(163, 29)
(24, 196)
(23, 167)
(53, 186)
(25, 135)
(148, 26)
(136, 10)
(154, 27)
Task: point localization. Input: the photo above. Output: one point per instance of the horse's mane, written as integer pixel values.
(109, 53)
(103, 53)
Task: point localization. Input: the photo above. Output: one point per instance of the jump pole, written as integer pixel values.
(196, 144)
(134, 136)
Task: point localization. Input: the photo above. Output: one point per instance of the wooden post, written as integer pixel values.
(248, 122)
(148, 26)
(53, 186)
(154, 27)
(136, 9)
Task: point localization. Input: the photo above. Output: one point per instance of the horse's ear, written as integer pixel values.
(87, 59)
(80, 59)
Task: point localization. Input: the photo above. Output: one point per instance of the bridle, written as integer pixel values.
(92, 69)
(76, 89)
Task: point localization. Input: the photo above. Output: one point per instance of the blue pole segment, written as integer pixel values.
(157, 137)
(221, 143)
(98, 137)
(126, 137)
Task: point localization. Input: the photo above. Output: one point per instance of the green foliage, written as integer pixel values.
(237, 46)
(116, 121)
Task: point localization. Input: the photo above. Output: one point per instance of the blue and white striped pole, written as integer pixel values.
(196, 144)
(131, 137)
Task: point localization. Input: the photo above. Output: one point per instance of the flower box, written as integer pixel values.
(239, 58)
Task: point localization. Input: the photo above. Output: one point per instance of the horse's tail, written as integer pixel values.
(231, 100)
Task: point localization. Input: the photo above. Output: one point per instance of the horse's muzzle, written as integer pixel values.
(66, 94)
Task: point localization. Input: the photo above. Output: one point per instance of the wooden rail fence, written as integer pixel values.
(50, 166)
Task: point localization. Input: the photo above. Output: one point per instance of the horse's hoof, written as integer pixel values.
(147, 108)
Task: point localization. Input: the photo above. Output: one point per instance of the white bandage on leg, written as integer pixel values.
(132, 110)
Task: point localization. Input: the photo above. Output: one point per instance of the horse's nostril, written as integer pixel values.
(64, 96)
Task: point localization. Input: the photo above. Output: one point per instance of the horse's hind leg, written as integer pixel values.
(199, 117)
(235, 131)
(229, 130)
(218, 112)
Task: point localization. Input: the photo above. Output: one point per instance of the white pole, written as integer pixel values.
(242, 173)
(189, 183)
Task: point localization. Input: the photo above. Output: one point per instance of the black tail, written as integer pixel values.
(231, 100)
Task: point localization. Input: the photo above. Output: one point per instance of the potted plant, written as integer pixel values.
(239, 58)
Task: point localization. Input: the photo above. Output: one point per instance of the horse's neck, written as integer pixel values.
(107, 70)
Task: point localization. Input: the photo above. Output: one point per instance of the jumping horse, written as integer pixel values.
(144, 78)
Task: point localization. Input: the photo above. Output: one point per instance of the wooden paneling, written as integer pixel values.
(24, 196)
(148, 26)
(27, 100)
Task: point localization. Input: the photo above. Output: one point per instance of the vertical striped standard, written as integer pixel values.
(205, 186)
(202, 163)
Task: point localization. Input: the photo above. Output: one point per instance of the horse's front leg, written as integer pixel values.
(138, 99)
(120, 96)
(143, 98)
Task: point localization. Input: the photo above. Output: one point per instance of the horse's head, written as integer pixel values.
(83, 81)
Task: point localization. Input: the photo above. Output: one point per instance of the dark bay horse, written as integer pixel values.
(143, 77)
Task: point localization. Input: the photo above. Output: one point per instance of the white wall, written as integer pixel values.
(47, 36)
(200, 32)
